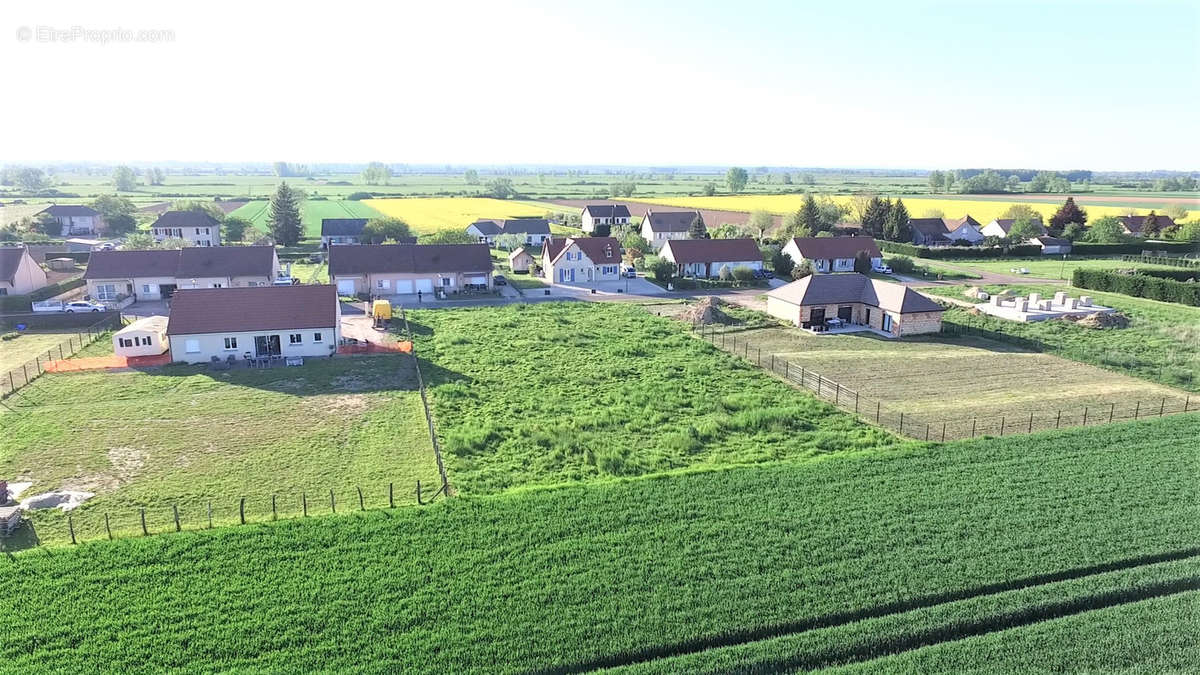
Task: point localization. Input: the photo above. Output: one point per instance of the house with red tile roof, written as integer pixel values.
(574, 260)
(706, 257)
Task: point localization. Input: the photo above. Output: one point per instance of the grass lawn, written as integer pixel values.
(955, 381)
(30, 345)
(1046, 267)
(1162, 342)
(526, 281)
(558, 392)
(184, 435)
(768, 568)
(311, 273)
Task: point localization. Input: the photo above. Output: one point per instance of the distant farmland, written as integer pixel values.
(312, 212)
(433, 214)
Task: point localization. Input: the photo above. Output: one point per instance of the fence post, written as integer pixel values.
(419, 501)
(391, 495)
(818, 385)
(1002, 425)
(175, 509)
(972, 427)
(304, 503)
(1137, 409)
(60, 351)
(927, 431)
(877, 412)
(943, 432)
(11, 386)
(837, 394)
(360, 499)
(107, 528)
(1111, 408)
(332, 502)
(1085, 412)
(901, 423)
(71, 527)
(1162, 406)
(144, 532)
(274, 514)
(856, 403)
(242, 510)
(1186, 402)
(772, 363)
(210, 514)
(1058, 419)
(787, 369)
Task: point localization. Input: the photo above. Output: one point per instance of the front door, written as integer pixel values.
(845, 313)
(817, 316)
(166, 291)
(887, 323)
(868, 318)
(266, 345)
(572, 275)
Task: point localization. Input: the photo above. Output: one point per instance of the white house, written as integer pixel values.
(832, 254)
(75, 219)
(603, 214)
(1000, 227)
(965, 228)
(19, 272)
(706, 257)
(659, 227)
(534, 230)
(405, 269)
(261, 321)
(581, 260)
(156, 274)
(196, 227)
(145, 337)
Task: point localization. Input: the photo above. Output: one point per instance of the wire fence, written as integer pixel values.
(437, 449)
(16, 378)
(939, 429)
(1190, 263)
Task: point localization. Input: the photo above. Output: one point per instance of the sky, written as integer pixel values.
(919, 84)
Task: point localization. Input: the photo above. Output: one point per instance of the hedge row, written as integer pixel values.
(21, 303)
(1138, 285)
(951, 252)
(1177, 275)
(1136, 248)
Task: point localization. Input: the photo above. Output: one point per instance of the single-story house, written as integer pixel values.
(145, 337)
(403, 269)
(196, 227)
(603, 214)
(1000, 227)
(157, 274)
(965, 228)
(659, 227)
(706, 257)
(208, 323)
(520, 260)
(534, 230)
(581, 259)
(75, 219)
(928, 232)
(1051, 245)
(832, 254)
(341, 231)
(19, 272)
(1138, 227)
(857, 299)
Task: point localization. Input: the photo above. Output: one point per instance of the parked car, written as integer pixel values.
(882, 269)
(499, 280)
(83, 306)
(631, 272)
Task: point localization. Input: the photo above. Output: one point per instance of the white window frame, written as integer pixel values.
(191, 346)
(231, 343)
(295, 339)
(318, 337)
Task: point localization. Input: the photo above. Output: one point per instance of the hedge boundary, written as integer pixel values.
(21, 303)
(1138, 285)
(958, 252)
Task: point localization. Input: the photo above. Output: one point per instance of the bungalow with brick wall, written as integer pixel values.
(581, 259)
(405, 269)
(659, 227)
(706, 257)
(196, 227)
(157, 274)
(19, 272)
(217, 323)
(886, 307)
(832, 254)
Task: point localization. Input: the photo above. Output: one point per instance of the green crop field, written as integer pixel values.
(185, 436)
(840, 560)
(556, 392)
(311, 213)
(1161, 343)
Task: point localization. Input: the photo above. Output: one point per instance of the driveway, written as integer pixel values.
(147, 308)
(621, 287)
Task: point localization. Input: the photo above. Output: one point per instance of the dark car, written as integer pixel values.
(499, 280)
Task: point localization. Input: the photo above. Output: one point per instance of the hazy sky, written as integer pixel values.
(1099, 85)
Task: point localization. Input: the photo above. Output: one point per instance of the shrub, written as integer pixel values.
(725, 274)
(357, 196)
(902, 264)
(802, 270)
(743, 273)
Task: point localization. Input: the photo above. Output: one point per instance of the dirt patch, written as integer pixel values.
(126, 464)
(705, 312)
(1100, 320)
(343, 405)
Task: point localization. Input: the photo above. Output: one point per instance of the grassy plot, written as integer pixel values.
(1161, 343)
(453, 213)
(184, 436)
(554, 392)
(1046, 267)
(311, 213)
(30, 345)
(936, 380)
(537, 579)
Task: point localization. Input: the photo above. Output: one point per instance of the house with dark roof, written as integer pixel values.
(945, 231)
(207, 324)
(855, 301)
(534, 230)
(1051, 245)
(196, 227)
(1139, 226)
(157, 274)
(832, 254)
(1000, 227)
(405, 269)
(19, 272)
(341, 231)
(75, 219)
(574, 260)
(659, 227)
(603, 214)
(706, 258)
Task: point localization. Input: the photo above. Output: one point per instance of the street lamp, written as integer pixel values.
(1062, 271)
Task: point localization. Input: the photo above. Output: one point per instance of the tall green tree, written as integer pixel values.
(697, 230)
(710, 189)
(1106, 230)
(759, 222)
(809, 215)
(379, 230)
(936, 180)
(284, 219)
(1066, 214)
(736, 179)
(875, 217)
(471, 177)
(376, 173)
(896, 228)
(1022, 230)
(117, 213)
(233, 228)
(124, 178)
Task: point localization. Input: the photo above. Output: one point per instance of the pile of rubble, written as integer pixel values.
(705, 312)
(1100, 320)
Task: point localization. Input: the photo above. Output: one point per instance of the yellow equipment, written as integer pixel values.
(381, 310)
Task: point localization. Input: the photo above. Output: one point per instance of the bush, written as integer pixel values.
(1138, 285)
(901, 264)
(725, 274)
(357, 196)
(742, 273)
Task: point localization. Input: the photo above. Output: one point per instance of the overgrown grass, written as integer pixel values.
(554, 392)
(1161, 343)
(185, 436)
(816, 553)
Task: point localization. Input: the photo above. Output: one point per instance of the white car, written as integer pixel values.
(83, 306)
(882, 269)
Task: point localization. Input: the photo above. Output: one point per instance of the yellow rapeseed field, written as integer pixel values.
(433, 214)
(981, 210)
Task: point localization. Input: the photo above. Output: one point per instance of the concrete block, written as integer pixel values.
(1035, 298)
(996, 300)
(1085, 300)
(1022, 305)
(1060, 298)
(1072, 303)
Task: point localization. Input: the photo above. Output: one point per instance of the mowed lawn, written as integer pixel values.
(27, 347)
(186, 436)
(432, 214)
(563, 392)
(934, 380)
(312, 212)
(1046, 267)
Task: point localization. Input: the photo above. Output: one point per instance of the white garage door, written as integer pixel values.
(404, 286)
(345, 287)
(425, 285)
(477, 280)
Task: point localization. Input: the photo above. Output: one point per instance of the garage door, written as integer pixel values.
(345, 287)
(482, 281)
(425, 285)
(404, 286)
